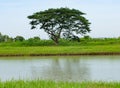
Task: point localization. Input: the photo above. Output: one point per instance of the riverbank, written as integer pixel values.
(52, 84)
(112, 49)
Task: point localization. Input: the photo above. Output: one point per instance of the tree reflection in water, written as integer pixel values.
(61, 68)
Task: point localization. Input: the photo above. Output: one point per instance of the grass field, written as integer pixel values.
(60, 50)
(52, 84)
(46, 47)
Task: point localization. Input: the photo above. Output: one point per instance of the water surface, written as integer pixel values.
(59, 68)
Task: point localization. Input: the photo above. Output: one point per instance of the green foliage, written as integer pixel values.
(61, 22)
(87, 37)
(36, 38)
(5, 38)
(63, 42)
(37, 42)
(19, 38)
(53, 84)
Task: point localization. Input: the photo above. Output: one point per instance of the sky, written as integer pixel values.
(104, 16)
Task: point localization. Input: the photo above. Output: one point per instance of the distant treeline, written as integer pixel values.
(5, 40)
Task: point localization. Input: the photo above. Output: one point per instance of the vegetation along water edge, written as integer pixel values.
(37, 47)
(60, 50)
(53, 84)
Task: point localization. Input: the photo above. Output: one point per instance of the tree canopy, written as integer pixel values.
(19, 38)
(60, 22)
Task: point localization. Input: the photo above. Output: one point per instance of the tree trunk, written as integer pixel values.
(56, 40)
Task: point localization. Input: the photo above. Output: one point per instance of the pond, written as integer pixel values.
(61, 68)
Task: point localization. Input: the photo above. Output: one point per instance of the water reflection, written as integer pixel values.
(61, 69)
(75, 68)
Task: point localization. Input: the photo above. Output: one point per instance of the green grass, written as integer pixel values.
(44, 47)
(52, 84)
(59, 50)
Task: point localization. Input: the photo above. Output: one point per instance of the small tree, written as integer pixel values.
(61, 22)
(4, 38)
(19, 38)
(36, 38)
(1, 38)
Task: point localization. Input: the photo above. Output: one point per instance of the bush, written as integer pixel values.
(19, 38)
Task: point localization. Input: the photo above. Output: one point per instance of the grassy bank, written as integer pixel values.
(105, 46)
(52, 84)
(60, 50)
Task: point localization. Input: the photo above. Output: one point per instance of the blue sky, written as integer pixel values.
(103, 14)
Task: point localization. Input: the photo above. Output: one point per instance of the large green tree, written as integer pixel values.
(60, 22)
